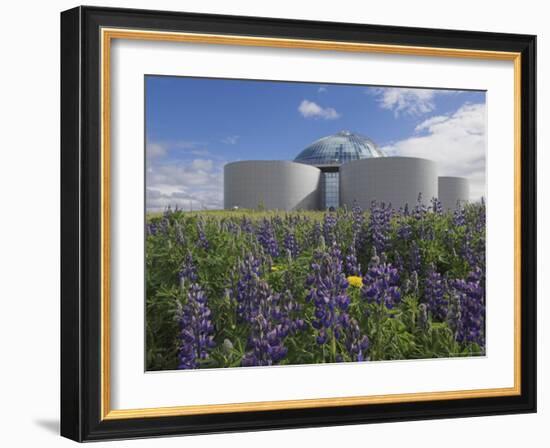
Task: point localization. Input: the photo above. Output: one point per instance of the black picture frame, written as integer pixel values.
(81, 224)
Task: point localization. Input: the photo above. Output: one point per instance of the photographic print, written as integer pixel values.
(301, 223)
(251, 201)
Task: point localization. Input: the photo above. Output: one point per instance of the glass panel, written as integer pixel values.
(339, 148)
(331, 190)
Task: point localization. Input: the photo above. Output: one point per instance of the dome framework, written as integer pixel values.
(337, 149)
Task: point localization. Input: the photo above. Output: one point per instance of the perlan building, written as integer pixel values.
(337, 170)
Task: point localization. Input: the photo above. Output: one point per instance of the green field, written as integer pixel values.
(232, 288)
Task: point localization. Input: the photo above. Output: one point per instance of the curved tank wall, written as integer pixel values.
(395, 180)
(271, 184)
(453, 190)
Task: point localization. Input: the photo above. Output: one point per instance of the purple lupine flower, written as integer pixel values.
(358, 227)
(269, 327)
(152, 228)
(470, 296)
(425, 230)
(419, 210)
(266, 237)
(315, 235)
(202, 240)
(327, 290)
(357, 344)
(289, 305)
(436, 206)
(329, 227)
(247, 289)
(188, 271)
(164, 226)
(358, 218)
(404, 231)
(480, 218)
(379, 225)
(291, 311)
(468, 250)
(459, 216)
(164, 223)
(196, 330)
(472, 248)
(277, 221)
(230, 227)
(246, 225)
(380, 284)
(266, 313)
(290, 244)
(398, 262)
(352, 265)
(415, 260)
(435, 290)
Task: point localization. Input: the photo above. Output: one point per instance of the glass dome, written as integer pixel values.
(338, 149)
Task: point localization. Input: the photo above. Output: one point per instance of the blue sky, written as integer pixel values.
(196, 125)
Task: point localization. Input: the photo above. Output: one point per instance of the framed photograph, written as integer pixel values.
(273, 223)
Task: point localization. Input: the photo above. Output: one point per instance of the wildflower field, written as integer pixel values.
(256, 288)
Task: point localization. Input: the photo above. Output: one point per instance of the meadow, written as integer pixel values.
(246, 288)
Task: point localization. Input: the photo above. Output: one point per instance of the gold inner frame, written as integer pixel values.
(107, 35)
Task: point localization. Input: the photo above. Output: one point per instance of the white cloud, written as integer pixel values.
(155, 150)
(430, 122)
(321, 89)
(406, 101)
(196, 184)
(455, 141)
(231, 140)
(158, 201)
(190, 147)
(159, 149)
(202, 164)
(196, 173)
(309, 109)
(186, 144)
(199, 152)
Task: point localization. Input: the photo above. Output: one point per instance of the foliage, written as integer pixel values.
(247, 288)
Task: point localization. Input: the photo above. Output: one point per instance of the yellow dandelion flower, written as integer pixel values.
(355, 281)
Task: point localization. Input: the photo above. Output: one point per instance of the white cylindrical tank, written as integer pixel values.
(453, 190)
(271, 184)
(395, 180)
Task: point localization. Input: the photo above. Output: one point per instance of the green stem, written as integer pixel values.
(333, 346)
(378, 330)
